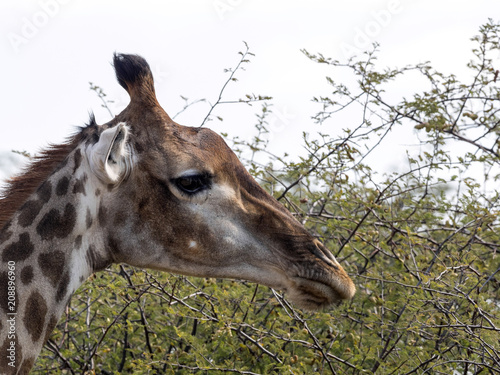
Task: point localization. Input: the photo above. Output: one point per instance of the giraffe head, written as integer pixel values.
(146, 191)
(177, 199)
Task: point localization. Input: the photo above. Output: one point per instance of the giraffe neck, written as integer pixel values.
(48, 248)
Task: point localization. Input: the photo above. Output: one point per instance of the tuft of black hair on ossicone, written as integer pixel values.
(131, 70)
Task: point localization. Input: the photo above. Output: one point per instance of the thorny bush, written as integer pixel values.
(421, 244)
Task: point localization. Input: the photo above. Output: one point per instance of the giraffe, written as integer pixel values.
(146, 191)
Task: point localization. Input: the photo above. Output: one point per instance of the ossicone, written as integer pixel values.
(134, 75)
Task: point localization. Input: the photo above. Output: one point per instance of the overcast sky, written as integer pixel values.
(51, 49)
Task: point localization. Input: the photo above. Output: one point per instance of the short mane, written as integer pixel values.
(18, 188)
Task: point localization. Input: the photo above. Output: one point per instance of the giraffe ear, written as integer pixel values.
(109, 158)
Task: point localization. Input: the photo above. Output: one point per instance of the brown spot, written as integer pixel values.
(88, 218)
(34, 315)
(62, 186)
(19, 250)
(19, 189)
(5, 233)
(50, 327)
(27, 275)
(78, 241)
(45, 191)
(61, 165)
(52, 265)
(110, 187)
(54, 225)
(102, 215)
(63, 287)
(27, 365)
(79, 186)
(29, 212)
(97, 192)
(4, 284)
(78, 160)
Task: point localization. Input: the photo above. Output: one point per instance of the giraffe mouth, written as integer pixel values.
(320, 284)
(320, 293)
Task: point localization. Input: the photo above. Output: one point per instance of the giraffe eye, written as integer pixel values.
(193, 184)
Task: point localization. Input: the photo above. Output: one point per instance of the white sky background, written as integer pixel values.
(51, 49)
